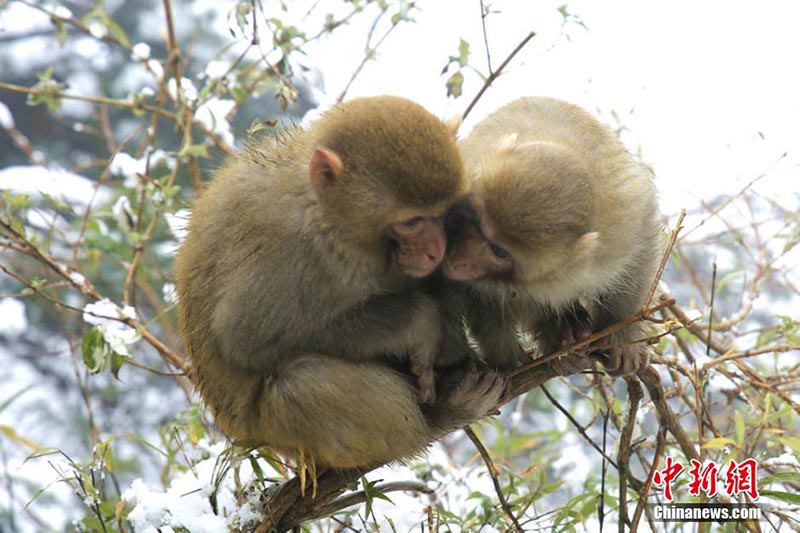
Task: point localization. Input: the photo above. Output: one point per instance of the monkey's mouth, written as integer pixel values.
(415, 270)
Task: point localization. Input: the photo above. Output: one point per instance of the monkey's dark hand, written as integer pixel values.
(565, 327)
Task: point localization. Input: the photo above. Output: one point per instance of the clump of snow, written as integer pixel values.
(186, 504)
(98, 29)
(117, 334)
(787, 458)
(13, 320)
(127, 166)
(77, 278)
(140, 52)
(721, 382)
(212, 114)
(178, 223)
(59, 11)
(169, 293)
(64, 185)
(6, 118)
(216, 68)
(122, 213)
(187, 87)
(694, 315)
(156, 68)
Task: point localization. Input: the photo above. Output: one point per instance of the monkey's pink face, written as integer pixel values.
(472, 256)
(420, 245)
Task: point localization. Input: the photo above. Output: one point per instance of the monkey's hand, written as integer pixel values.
(467, 394)
(627, 353)
(422, 369)
(563, 327)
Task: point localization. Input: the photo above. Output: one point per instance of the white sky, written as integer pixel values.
(696, 83)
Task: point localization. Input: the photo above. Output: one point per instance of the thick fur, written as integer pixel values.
(578, 214)
(298, 330)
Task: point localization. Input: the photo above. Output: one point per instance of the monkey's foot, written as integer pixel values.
(573, 363)
(625, 360)
(481, 389)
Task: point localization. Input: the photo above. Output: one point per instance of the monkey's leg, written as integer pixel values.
(343, 414)
(495, 330)
(455, 349)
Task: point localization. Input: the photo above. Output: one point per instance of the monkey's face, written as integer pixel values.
(473, 253)
(417, 245)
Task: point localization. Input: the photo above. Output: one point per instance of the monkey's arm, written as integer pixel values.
(395, 326)
(495, 330)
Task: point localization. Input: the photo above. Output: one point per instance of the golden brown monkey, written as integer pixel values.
(299, 288)
(560, 235)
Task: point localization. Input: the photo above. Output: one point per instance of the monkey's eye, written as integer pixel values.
(412, 221)
(499, 252)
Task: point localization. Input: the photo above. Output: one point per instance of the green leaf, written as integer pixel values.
(791, 442)
(739, 421)
(781, 477)
(61, 31)
(12, 435)
(717, 443)
(95, 350)
(463, 53)
(370, 493)
(787, 497)
(116, 30)
(117, 360)
(15, 201)
(8, 401)
(454, 84)
(104, 451)
(196, 150)
(48, 91)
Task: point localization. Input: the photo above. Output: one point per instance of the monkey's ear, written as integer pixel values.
(323, 169)
(453, 123)
(586, 244)
(507, 144)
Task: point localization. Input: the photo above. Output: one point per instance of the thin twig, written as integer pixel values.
(485, 36)
(624, 450)
(661, 445)
(665, 257)
(730, 199)
(494, 74)
(711, 307)
(493, 474)
(369, 53)
(123, 104)
(577, 426)
(596, 336)
(359, 497)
